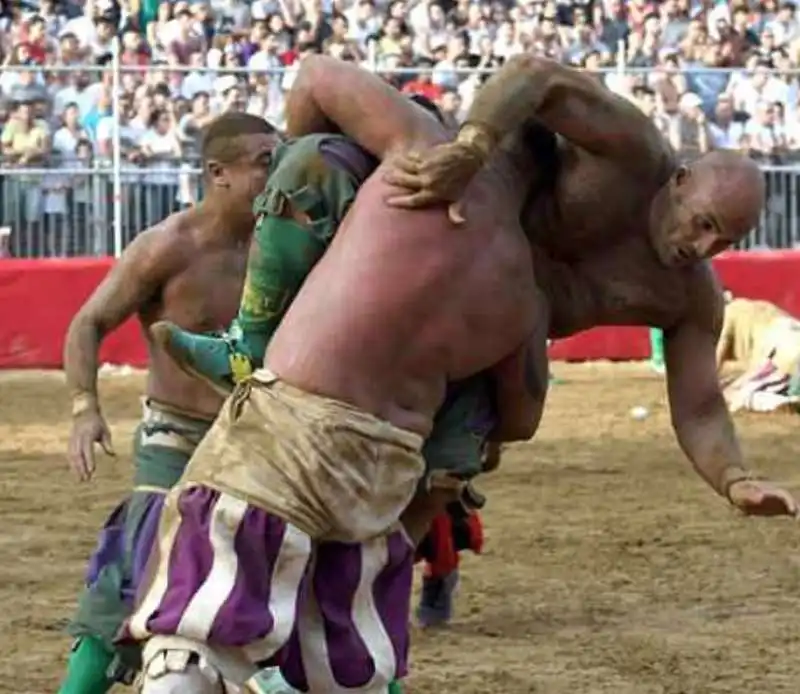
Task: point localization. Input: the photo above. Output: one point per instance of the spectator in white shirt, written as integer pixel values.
(724, 131)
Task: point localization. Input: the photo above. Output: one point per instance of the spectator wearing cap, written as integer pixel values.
(692, 128)
(230, 95)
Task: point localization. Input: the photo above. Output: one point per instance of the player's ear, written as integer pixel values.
(681, 175)
(216, 174)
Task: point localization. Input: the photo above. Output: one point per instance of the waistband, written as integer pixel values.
(156, 411)
(321, 406)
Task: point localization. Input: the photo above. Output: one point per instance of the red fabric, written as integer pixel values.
(441, 543)
(475, 524)
(38, 299)
(445, 557)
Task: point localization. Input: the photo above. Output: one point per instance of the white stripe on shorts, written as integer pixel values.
(284, 585)
(368, 622)
(202, 610)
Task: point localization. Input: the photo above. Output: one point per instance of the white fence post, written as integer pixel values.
(116, 146)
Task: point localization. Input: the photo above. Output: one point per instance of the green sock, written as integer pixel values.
(87, 667)
(657, 346)
(395, 688)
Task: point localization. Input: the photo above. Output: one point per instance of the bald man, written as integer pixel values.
(767, 340)
(620, 235)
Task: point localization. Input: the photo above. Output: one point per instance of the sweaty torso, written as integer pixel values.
(403, 301)
(202, 296)
(592, 254)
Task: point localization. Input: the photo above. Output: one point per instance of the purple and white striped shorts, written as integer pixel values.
(333, 615)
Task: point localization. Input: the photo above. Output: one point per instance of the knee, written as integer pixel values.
(180, 672)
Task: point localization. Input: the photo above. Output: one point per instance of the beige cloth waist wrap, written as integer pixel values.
(331, 469)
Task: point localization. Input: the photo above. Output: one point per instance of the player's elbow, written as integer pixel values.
(521, 426)
(86, 323)
(533, 65)
(313, 69)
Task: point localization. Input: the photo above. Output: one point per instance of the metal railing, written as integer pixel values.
(71, 211)
(67, 209)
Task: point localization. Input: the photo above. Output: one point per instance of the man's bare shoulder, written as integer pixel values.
(169, 244)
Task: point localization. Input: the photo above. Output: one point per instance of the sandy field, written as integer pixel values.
(609, 566)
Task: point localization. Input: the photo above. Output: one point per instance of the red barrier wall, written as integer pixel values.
(39, 297)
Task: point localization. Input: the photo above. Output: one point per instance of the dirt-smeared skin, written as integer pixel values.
(620, 235)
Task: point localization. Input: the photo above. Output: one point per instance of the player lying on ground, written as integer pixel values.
(767, 340)
(621, 236)
(163, 274)
(316, 456)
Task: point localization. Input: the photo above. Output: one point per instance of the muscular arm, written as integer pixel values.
(330, 94)
(133, 281)
(521, 381)
(572, 104)
(700, 416)
(725, 341)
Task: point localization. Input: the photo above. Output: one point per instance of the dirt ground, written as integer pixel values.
(609, 566)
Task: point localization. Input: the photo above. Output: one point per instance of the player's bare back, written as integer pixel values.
(403, 301)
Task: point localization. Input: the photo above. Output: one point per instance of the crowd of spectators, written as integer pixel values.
(710, 74)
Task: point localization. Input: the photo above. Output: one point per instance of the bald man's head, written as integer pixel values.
(706, 207)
